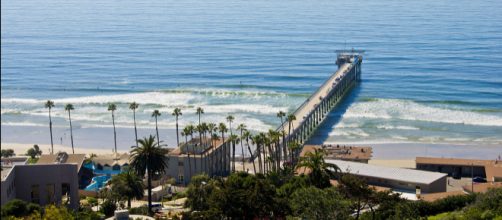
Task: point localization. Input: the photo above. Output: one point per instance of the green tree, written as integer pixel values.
(198, 192)
(112, 107)
(69, 107)
(156, 114)
(314, 203)
(233, 139)
(357, 190)
(50, 104)
(320, 172)
(34, 152)
(177, 113)
(6, 153)
(150, 159)
(128, 185)
(199, 112)
(133, 106)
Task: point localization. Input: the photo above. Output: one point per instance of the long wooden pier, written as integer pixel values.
(314, 110)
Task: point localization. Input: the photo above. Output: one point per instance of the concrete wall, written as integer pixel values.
(464, 171)
(8, 187)
(212, 164)
(45, 175)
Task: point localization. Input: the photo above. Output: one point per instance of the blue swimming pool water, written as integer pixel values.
(97, 183)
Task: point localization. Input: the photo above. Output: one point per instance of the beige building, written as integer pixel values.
(456, 167)
(400, 179)
(342, 152)
(192, 158)
(41, 183)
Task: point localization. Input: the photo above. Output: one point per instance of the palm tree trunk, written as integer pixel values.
(259, 158)
(135, 129)
(128, 203)
(157, 130)
(149, 191)
(233, 156)
(114, 132)
(71, 133)
(251, 153)
(50, 128)
(188, 153)
(177, 133)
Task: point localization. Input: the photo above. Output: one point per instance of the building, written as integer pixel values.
(111, 163)
(395, 178)
(43, 184)
(192, 158)
(455, 167)
(84, 174)
(337, 152)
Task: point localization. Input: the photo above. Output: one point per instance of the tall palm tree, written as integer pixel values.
(234, 139)
(199, 130)
(156, 114)
(69, 108)
(50, 104)
(291, 118)
(211, 127)
(128, 185)
(294, 147)
(191, 130)
(281, 115)
(176, 113)
(320, 171)
(242, 128)
(230, 119)
(112, 107)
(186, 132)
(246, 136)
(149, 158)
(223, 128)
(133, 106)
(214, 138)
(257, 140)
(199, 112)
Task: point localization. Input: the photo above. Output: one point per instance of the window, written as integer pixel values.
(180, 163)
(116, 167)
(65, 192)
(50, 189)
(35, 194)
(181, 178)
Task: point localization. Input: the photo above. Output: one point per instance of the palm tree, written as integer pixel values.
(242, 128)
(230, 119)
(112, 107)
(211, 127)
(233, 139)
(291, 118)
(50, 104)
(128, 185)
(246, 136)
(148, 158)
(156, 114)
(190, 130)
(133, 106)
(257, 140)
(223, 128)
(320, 171)
(214, 138)
(281, 115)
(199, 112)
(293, 149)
(69, 107)
(186, 132)
(177, 113)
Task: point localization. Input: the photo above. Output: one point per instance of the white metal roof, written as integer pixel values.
(391, 173)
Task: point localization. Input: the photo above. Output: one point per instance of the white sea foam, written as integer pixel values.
(409, 110)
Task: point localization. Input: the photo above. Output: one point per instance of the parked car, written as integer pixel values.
(156, 207)
(479, 179)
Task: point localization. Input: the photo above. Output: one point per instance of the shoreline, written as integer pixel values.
(100, 140)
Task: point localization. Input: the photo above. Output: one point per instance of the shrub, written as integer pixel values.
(19, 208)
(142, 210)
(108, 207)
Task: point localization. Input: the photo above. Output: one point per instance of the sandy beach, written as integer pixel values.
(20, 149)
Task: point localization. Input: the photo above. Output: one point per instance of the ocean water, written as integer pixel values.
(432, 71)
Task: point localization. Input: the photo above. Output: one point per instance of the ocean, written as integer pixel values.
(432, 70)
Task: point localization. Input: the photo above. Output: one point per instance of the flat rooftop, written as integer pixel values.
(67, 159)
(390, 173)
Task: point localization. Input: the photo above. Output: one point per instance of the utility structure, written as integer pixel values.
(314, 110)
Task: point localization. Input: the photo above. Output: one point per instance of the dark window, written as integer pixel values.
(35, 194)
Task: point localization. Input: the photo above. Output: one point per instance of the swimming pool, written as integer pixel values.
(98, 182)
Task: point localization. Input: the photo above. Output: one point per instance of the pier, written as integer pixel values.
(311, 114)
